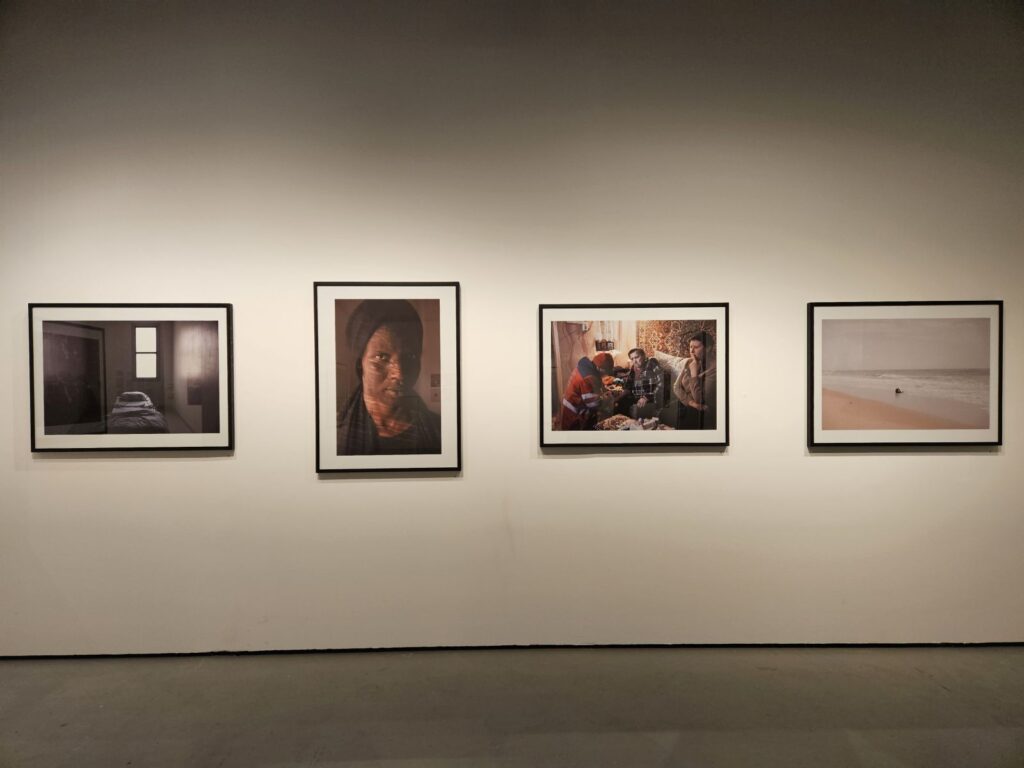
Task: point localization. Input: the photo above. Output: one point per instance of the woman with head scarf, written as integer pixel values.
(385, 415)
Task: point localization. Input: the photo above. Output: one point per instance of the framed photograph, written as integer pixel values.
(905, 373)
(387, 377)
(130, 377)
(614, 375)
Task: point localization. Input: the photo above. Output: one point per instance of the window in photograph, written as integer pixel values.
(145, 352)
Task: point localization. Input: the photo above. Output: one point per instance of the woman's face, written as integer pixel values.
(391, 365)
(696, 349)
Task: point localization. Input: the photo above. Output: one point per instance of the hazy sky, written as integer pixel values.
(875, 345)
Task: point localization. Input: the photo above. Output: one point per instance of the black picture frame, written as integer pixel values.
(904, 373)
(573, 338)
(69, 383)
(427, 409)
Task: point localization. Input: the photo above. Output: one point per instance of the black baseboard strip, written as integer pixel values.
(542, 647)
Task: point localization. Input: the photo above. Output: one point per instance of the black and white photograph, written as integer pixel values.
(634, 374)
(387, 376)
(130, 377)
(905, 373)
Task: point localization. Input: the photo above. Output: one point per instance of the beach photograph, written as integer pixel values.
(906, 373)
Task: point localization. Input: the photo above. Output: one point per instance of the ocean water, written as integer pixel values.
(960, 395)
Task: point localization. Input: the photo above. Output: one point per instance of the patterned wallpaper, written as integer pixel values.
(670, 335)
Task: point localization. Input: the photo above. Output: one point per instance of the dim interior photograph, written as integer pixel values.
(634, 374)
(656, 403)
(134, 377)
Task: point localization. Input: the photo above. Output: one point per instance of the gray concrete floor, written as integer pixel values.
(629, 708)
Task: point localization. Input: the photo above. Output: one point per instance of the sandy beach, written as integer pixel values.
(842, 411)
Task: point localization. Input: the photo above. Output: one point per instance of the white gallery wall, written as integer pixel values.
(536, 153)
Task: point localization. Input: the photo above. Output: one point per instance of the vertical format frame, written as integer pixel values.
(388, 376)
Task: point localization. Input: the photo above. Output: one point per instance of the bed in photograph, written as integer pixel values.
(134, 413)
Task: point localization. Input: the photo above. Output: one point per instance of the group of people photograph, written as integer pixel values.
(638, 388)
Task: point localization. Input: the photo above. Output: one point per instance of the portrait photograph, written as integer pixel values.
(130, 377)
(634, 374)
(907, 373)
(387, 376)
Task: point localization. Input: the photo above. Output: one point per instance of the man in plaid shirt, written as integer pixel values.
(645, 385)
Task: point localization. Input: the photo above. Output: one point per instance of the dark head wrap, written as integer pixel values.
(371, 314)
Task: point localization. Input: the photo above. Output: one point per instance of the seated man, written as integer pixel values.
(645, 386)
